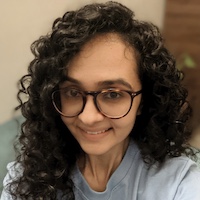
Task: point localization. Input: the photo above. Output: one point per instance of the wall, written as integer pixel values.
(182, 33)
(23, 21)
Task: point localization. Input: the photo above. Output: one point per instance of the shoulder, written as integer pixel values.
(15, 171)
(184, 168)
(183, 165)
(181, 176)
(177, 178)
(181, 162)
(196, 158)
(189, 180)
(177, 169)
(173, 168)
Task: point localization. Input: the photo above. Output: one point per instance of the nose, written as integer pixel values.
(90, 114)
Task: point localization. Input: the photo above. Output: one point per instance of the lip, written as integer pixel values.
(92, 132)
(95, 134)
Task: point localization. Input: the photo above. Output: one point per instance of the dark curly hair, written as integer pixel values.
(48, 151)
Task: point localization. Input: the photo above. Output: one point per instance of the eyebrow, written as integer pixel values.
(119, 81)
(104, 83)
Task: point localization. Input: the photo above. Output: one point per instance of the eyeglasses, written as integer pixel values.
(112, 103)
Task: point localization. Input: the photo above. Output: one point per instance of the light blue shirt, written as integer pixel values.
(177, 179)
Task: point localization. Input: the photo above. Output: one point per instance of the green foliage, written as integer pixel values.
(185, 61)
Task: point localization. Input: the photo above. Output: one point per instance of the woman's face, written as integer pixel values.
(103, 63)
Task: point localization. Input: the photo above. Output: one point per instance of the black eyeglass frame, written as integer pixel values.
(95, 94)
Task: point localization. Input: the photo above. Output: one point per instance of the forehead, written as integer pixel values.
(110, 43)
(105, 57)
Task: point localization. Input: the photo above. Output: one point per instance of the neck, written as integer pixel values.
(97, 169)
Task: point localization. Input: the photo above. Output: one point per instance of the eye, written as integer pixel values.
(112, 95)
(71, 93)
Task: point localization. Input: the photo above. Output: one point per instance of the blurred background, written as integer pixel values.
(181, 29)
(22, 22)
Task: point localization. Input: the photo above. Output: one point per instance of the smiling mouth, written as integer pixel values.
(96, 132)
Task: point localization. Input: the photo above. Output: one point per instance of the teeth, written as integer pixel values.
(95, 133)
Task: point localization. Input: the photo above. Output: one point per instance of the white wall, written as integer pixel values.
(23, 21)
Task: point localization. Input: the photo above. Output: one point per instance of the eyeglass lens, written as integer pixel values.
(112, 103)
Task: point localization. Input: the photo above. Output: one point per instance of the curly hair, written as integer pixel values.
(48, 151)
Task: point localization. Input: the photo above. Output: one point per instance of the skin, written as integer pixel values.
(104, 62)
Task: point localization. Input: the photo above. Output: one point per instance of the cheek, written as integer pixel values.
(126, 123)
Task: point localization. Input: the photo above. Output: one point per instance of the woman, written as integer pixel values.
(106, 114)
